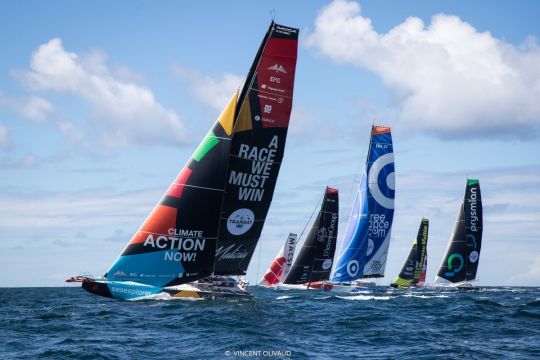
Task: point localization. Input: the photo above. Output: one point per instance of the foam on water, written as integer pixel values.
(364, 297)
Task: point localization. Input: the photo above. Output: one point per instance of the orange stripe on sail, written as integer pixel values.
(380, 130)
(160, 221)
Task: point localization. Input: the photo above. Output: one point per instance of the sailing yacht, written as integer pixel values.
(205, 228)
(279, 268)
(367, 237)
(460, 262)
(413, 272)
(314, 262)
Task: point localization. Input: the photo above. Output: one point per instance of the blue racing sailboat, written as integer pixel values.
(367, 237)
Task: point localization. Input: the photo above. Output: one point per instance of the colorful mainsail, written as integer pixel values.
(413, 272)
(211, 217)
(257, 147)
(460, 263)
(314, 263)
(176, 244)
(279, 268)
(365, 246)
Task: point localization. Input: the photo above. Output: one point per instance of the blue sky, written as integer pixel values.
(102, 103)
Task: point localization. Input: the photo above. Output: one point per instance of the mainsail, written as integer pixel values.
(257, 147)
(414, 268)
(279, 268)
(365, 246)
(177, 242)
(314, 262)
(460, 263)
(210, 218)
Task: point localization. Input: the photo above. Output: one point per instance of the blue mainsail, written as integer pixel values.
(365, 246)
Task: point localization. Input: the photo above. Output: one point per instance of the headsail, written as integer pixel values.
(414, 267)
(262, 119)
(279, 268)
(176, 243)
(460, 263)
(314, 262)
(367, 237)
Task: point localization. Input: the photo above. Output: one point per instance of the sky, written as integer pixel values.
(102, 103)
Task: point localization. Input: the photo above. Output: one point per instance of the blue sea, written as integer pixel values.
(68, 323)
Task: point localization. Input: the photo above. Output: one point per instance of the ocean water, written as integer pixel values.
(58, 323)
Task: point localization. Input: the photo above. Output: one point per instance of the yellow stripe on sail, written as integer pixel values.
(402, 282)
(243, 122)
(226, 119)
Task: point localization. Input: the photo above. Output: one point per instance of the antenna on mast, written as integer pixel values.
(273, 14)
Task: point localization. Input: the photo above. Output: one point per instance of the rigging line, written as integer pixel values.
(259, 264)
(312, 213)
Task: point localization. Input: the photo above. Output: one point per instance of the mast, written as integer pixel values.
(257, 149)
(460, 262)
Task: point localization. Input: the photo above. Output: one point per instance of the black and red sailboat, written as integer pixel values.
(209, 221)
(313, 264)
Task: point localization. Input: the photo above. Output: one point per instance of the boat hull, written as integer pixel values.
(351, 288)
(132, 291)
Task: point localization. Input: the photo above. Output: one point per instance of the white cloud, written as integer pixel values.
(452, 80)
(30, 107)
(213, 91)
(5, 141)
(124, 112)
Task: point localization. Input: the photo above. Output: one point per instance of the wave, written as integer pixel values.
(425, 296)
(363, 297)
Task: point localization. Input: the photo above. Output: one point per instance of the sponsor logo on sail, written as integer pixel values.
(285, 30)
(327, 264)
(473, 256)
(376, 266)
(128, 291)
(231, 253)
(375, 170)
(278, 68)
(353, 267)
(473, 209)
(240, 221)
(453, 269)
(378, 225)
